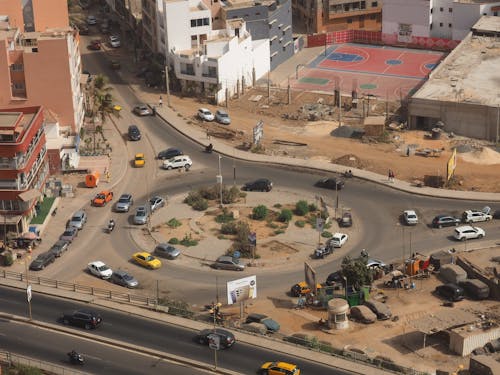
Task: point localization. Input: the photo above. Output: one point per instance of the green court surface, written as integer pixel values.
(314, 81)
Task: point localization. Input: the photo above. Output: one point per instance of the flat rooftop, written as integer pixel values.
(470, 73)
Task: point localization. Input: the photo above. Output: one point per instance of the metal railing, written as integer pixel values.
(12, 359)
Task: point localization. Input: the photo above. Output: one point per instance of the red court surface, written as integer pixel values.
(376, 70)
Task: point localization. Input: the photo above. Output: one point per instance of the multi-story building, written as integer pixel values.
(35, 15)
(268, 19)
(151, 24)
(335, 15)
(23, 166)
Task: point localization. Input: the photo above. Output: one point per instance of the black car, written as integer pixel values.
(134, 134)
(330, 183)
(42, 261)
(262, 184)
(169, 153)
(450, 292)
(346, 220)
(82, 318)
(270, 324)
(335, 278)
(59, 247)
(226, 338)
(445, 221)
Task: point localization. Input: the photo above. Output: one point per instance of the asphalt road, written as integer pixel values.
(138, 331)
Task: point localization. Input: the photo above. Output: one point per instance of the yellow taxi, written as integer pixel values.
(139, 160)
(301, 289)
(145, 259)
(279, 368)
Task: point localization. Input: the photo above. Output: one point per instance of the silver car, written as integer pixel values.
(228, 263)
(123, 278)
(222, 117)
(142, 110)
(141, 216)
(166, 250)
(78, 220)
(124, 203)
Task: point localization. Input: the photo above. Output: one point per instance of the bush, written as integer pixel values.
(8, 259)
(188, 241)
(277, 205)
(173, 241)
(231, 195)
(200, 205)
(285, 216)
(225, 217)
(241, 243)
(192, 197)
(279, 231)
(300, 223)
(174, 223)
(260, 212)
(301, 208)
(312, 207)
(210, 192)
(229, 228)
(272, 225)
(326, 234)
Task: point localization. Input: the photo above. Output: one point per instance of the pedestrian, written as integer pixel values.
(160, 102)
(108, 176)
(389, 174)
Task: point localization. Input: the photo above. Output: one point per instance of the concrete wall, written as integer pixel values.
(415, 13)
(442, 19)
(464, 340)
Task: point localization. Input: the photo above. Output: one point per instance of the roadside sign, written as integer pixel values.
(214, 341)
(320, 223)
(258, 132)
(252, 238)
(28, 293)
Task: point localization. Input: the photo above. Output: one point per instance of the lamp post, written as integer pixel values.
(219, 181)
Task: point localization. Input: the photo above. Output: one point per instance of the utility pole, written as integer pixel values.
(268, 87)
(167, 83)
(219, 180)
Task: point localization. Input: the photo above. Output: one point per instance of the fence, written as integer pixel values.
(10, 359)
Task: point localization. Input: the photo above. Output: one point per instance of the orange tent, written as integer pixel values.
(92, 179)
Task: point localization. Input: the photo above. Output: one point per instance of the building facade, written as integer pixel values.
(23, 166)
(35, 15)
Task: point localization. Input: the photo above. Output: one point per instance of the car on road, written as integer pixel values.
(226, 338)
(124, 203)
(338, 239)
(279, 368)
(134, 134)
(222, 117)
(83, 30)
(145, 259)
(410, 217)
(141, 216)
(91, 20)
(169, 153)
(114, 41)
(372, 263)
(125, 279)
(139, 160)
(100, 269)
(225, 262)
(156, 203)
(103, 198)
(301, 289)
(346, 220)
(78, 219)
(69, 234)
(166, 250)
(466, 232)
(271, 324)
(205, 115)
(451, 292)
(59, 247)
(470, 216)
(42, 261)
(262, 184)
(95, 45)
(330, 183)
(142, 110)
(87, 319)
(181, 161)
(445, 221)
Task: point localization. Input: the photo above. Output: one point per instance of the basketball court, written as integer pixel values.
(369, 70)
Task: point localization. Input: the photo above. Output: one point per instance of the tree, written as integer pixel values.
(356, 272)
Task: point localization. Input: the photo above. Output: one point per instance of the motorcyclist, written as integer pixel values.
(111, 225)
(209, 148)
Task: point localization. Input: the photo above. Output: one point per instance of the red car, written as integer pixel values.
(102, 198)
(95, 45)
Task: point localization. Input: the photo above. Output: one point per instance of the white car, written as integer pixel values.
(91, 20)
(205, 115)
(470, 216)
(410, 217)
(338, 239)
(466, 232)
(181, 161)
(114, 40)
(99, 269)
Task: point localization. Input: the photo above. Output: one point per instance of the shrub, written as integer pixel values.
(229, 228)
(272, 225)
(192, 197)
(326, 234)
(174, 223)
(300, 223)
(230, 195)
(210, 192)
(8, 259)
(279, 231)
(173, 241)
(225, 217)
(312, 207)
(301, 208)
(188, 240)
(277, 205)
(200, 205)
(241, 242)
(260, 212)
(285, 216)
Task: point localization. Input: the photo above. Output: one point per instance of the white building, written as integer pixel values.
(205, 60)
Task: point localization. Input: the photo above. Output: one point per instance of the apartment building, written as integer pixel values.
(35, 15)
(335, 15)
(23, 166)
(150, 24)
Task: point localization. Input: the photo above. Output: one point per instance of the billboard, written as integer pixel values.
(241, 289)
(258, 132)
(310, 277)
(451, 165)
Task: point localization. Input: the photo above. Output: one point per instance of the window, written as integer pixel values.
(206, 21)
(193, 37)
(17, 67)
(432, 10)
(363, 5)
(495, 14)
(431, 26)
(349, 20)
(374, 4)
(440, 24)
(373, 16)
(199, 22)
(193, 23)
(346, 7)
(441, 9)
(18, 85)
(449, 25)
(450, 10)
(361, 18)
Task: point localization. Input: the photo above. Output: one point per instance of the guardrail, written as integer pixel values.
(11, 359)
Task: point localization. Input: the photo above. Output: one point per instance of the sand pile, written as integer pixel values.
(485, 156)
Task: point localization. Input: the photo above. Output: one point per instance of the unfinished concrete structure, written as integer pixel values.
(463, 91)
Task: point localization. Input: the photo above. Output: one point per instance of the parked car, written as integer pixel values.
(156, 202)
(69, 234)
(169, 153)
(139, 160)
(470, 216)
(83, 30)
(330, 183)
(124, 203)
(42, 261)
(228, 263)
(205, 115)
(59, 247)
(466, 232)
(363, 314)
(335, 278)
(145, 259)
(271, 324)
(100, 269)
(445, 221)
(410, 217)
(222, 117)
(372, 263)
(78, 219)
(114, 41)
(346, 220)
(338, 239)
(166, 250)
(380, 309)
(142, 110)
(181, 161)
(95, 45)
(475, 288)
(226, 338)
(82, 318)
(123, 278)
(450, 292)
(262, 184)
(103, 198)
(301, 289)
(141, 215)
(279, 368)
(134, 134)
(91, 20)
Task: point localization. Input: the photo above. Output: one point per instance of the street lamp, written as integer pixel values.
(219, 180)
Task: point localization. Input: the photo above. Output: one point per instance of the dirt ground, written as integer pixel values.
(476, 170)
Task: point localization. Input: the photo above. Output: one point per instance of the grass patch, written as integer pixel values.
(44, 210)
(279, 231)
(174, 223)
(188, 241)
(173, 241)
(300, 223)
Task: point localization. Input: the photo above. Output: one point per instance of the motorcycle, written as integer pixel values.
(111, 226)
(54, 212)
(347, 174)
(209, 148)
(75, 358)
(322, 251)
